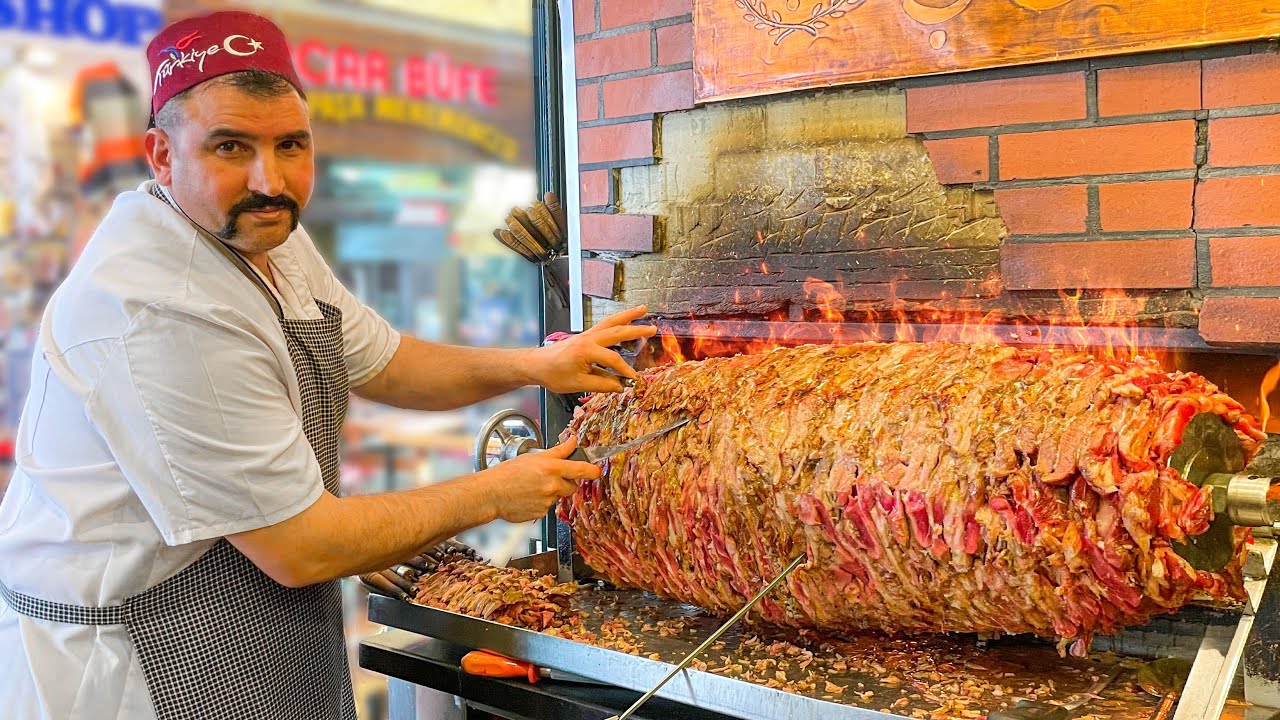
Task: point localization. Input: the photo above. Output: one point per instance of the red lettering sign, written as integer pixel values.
(434, 77)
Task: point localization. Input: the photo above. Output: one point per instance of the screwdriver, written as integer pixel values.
(491, 664)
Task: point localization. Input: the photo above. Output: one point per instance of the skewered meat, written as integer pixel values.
(505, 595)
(935, 487)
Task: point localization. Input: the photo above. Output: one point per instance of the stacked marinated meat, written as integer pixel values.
(505, 595)
(935, 487)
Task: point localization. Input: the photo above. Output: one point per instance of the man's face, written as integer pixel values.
(241, 166)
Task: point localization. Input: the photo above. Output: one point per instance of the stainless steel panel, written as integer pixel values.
(891, 690)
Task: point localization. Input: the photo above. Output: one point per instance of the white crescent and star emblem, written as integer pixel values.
(253, 46)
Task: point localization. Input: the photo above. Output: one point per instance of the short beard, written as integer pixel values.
(257, 201)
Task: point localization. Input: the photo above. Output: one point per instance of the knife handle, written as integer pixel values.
(579, 455)
(381, 585)
(398, 580)
(489, 664)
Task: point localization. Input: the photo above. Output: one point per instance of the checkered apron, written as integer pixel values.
(221, 639)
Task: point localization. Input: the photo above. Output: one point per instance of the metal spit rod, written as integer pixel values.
(714, 636)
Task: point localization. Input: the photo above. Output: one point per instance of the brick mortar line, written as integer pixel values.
(1209, 173)
(1113, 236)
(1242, 111)
(1240, 232)
(617, 164)
(1091, 94)
(1204, 271)
(642, 72)
(1049, 126)
(633, 27)
(605, 122)
(993, 158)
(1092, 210)
(1157, 57)
(1262, 292)
(1204, 263)
(1100, 121)
(1107, 179)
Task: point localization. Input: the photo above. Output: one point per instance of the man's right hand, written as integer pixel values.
(523, 488)
(336, 537)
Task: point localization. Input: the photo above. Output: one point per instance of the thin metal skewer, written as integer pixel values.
(714, 636)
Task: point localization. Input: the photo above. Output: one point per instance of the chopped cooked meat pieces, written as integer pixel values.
(513, 597)
(934, 487)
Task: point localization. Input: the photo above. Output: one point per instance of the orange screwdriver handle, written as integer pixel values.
(489, 664)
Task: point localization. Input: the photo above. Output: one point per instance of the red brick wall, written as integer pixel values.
(1141, 173)
(634, 60)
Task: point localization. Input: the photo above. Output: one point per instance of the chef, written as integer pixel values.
(172, 536)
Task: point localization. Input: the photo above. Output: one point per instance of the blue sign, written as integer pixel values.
(99, 21)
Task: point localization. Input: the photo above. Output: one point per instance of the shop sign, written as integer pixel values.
(98, 21)
(436, 77)
(429, 92)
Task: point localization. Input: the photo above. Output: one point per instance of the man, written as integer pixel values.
(171, 539)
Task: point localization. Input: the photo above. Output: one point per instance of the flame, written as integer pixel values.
(1269, 382)
(1105, 323)
(824, 296)
(671, 348)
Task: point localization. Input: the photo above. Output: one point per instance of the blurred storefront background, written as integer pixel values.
(423, 116)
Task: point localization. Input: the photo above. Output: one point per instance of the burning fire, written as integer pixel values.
(1269, 382)
(1103, 323)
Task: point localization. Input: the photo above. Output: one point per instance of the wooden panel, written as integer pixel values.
(755, 47)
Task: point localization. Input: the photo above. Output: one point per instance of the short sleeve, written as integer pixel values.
(194, 404)
(369, 340)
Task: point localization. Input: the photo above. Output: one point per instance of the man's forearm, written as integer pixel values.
(430, 376)
(337, 537)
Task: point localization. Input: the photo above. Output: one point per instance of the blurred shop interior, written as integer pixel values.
(423, 116)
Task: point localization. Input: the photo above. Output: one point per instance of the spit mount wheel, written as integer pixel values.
(1210, 455)
(505, 435)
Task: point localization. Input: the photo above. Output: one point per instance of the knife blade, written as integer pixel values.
(594, 454)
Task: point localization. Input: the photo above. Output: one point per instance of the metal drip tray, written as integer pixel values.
(631, 639)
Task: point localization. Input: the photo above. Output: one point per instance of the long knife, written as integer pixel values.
(714, 636)
(603, 452)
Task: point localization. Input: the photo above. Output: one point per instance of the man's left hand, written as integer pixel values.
(570, 365)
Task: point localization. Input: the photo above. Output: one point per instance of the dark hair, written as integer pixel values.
(255, 83)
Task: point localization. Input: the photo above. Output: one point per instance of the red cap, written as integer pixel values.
(196, 49)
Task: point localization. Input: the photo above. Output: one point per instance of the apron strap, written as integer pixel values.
(61, 612)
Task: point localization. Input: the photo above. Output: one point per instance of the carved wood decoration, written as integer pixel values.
(756, 47)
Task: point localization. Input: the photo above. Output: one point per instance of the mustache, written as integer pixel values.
(258, 201)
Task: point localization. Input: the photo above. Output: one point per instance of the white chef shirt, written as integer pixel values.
(164, 414)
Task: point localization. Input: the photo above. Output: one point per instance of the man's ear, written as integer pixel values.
(159, 149)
